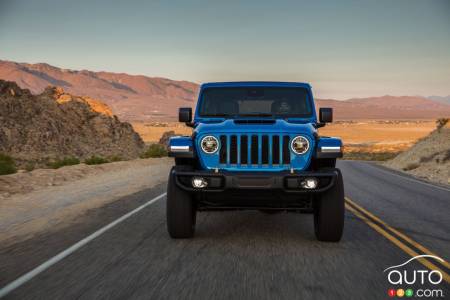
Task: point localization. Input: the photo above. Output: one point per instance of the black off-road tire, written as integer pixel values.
(329, 212)
(180, 208)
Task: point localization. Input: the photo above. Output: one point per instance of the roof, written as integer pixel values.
(255, 84)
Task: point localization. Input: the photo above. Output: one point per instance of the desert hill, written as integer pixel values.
(440, 99)
(142, 98)
(387, 107)
(131, 97)
(55, 124)
(428, 158)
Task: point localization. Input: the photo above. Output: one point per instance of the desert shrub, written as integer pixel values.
(411, 166)
(440, 123)
(29, 167)
(155, 150)
(7, 165)
(115, 158)
(96, 160)
(66, 161)
(446, 156)
(428, 158)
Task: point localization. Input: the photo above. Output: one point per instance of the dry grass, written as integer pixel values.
(380, 137)
(379, 131)
(374, 156)
(152, 132)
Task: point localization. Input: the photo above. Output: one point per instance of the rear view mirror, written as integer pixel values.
(185, 114)
(325, 115)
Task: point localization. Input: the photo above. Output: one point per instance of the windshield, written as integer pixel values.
(255, 101)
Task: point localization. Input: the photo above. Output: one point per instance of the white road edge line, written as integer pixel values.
(411, 179)
(41, 268)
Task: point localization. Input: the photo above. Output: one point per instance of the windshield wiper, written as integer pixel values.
(256, 115)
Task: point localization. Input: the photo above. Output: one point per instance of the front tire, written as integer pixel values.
(329, 212)
(180, 208)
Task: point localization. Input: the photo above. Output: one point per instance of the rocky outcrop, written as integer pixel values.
(164, 140)
(55, 124)
(95, 105)
(429, 158)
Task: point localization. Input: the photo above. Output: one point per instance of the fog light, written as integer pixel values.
(199, 182)
(309, 183)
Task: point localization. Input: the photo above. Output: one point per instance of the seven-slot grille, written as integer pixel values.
(245, 150)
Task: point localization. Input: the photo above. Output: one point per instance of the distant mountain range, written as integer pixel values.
(131, 97)
(142, 98)
(441, 99)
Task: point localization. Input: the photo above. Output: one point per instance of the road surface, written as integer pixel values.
(244, 255)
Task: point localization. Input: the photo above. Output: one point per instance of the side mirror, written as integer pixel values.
(185, 114)
(325, 115)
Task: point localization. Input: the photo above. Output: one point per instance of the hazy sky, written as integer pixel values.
(343, 48)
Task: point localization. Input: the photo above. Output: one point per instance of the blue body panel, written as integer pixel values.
(218, 126)
(280, 127)
(181, 141)
(325, 141)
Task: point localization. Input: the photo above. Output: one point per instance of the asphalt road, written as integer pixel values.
(243, 254)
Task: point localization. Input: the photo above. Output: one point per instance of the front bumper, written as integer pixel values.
(284, 182)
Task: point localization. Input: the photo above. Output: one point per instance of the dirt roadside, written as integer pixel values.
(50, 199)
(428, 159)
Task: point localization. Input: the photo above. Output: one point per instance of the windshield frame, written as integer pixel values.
(311, 115)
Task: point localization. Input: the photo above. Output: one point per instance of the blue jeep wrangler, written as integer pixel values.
(255, 146)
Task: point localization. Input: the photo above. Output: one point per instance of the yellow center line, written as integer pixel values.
(398, 233)
(398, 243)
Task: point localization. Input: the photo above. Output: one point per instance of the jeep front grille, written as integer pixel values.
(254, 150)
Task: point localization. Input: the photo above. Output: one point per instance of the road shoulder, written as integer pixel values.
(408, 176)
(51, 208)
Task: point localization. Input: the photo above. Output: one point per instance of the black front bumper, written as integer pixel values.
(285, 182)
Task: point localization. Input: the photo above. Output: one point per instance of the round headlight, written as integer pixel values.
(300, 145)
(209, 144)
